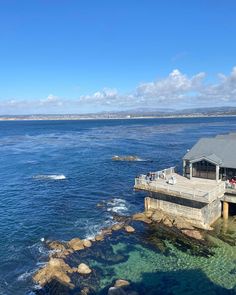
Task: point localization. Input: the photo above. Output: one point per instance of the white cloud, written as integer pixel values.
(177, 90)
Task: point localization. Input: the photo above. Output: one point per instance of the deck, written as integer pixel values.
(201, 190)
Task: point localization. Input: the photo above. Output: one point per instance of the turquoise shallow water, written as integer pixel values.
(171, 269)
(52, 176)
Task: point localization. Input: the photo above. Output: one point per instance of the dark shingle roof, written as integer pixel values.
(220, 150)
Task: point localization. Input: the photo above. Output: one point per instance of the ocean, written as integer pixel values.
(54, 173)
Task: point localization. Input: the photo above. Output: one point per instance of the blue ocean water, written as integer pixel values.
(53, 173)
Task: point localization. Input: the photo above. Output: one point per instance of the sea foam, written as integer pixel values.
(50, 177)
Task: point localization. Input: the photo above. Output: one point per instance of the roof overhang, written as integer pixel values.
(213, 159)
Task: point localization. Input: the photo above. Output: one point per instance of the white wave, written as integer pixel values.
(25, 275)
(117, 205)
(50, 177)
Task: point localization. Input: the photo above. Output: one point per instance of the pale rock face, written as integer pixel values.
(56, 269)
(117, 226)
(121, 283)
(195, 234)
(129, 229)
(141, 217)
(99, 238)
(84, 269)
(87, 243)
(76, 244)
(55, 245)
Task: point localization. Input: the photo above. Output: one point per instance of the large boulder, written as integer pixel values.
(158, 216)
(149, 213)
(99, 237)
(181, 223)
(121, 283)
(84, 269)
(56, 245)
(129, 229)
(87, 243)
(76, 244)
(117, 226)
(167, 221)
(55, 269)
(192, 233)
(141, 217)
(62, 254)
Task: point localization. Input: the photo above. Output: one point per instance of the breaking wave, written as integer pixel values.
(50, 177)
(117, 205)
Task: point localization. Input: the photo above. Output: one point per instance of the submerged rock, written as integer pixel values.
(129, 229)
(116, 291)
(141, 217)
(84, 269)
(76, 244)
(125, 158)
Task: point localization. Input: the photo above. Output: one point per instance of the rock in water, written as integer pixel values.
(121, 283)
(117, 226)
(195, 234)
(55, 269)
(84, 269)
(99, 238)
(76, 244)
(125, 158)
(141, 217)
(55, 245)
(87, 243)
(129, 229)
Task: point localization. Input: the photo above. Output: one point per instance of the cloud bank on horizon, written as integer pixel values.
(176, 91)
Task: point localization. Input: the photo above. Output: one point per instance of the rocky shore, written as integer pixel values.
(59, 268)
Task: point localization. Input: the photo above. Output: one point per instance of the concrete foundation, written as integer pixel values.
(200, 214)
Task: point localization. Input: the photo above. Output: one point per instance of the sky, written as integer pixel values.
(85, 56)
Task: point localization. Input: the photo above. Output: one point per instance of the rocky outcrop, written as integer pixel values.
(125, 158)
(87, 243)
(106, 231)
(56, 245)
(121, 283)
(84, 269)
(56, 269)
(129, 229)
(99, 237)
(76, 244)
(117, 226)
(141, 217)
(192, 233)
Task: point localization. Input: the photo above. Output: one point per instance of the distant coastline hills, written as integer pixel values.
(131, 114)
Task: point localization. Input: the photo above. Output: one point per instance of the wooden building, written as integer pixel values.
(212, 158)
(208, 185)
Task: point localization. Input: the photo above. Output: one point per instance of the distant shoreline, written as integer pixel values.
(68, 118)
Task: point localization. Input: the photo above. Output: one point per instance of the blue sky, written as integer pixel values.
(72, 56)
